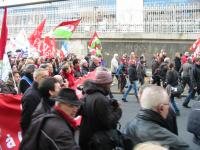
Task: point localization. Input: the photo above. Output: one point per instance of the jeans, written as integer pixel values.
(189, 97)
(133, 85)
(174, 104)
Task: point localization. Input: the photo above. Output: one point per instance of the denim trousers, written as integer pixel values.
(133, 85)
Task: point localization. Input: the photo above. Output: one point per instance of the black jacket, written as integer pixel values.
(49, 132)
(97, 113)
(193, 125)
(172, 77)
(195, 77)
(177, 62)
(150, 126)
(30, 101)
(132, 73)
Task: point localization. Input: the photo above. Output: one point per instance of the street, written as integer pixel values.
(131, 108)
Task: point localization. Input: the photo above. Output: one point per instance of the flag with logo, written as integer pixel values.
(195, 45)
(35, 38)
(65, 29)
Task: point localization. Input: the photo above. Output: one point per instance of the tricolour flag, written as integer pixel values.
(65, 29)
(195, 45)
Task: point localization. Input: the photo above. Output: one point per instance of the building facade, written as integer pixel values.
(165, 16)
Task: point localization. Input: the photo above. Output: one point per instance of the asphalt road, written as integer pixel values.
(131, 108)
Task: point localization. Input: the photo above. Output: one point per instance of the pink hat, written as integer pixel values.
(103, 77)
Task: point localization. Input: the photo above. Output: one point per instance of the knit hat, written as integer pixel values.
(103, 77)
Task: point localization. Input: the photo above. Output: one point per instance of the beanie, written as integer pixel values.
(103, 77)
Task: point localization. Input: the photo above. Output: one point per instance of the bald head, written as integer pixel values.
(153, 96)
(149, 146)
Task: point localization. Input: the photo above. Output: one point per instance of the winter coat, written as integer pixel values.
(30, 101)
(84, 70)
(150, 126)
(185, 70)
(194, 123)
(70, 78)
(49, 132)
(97, 113)
(114, 65)
(25, 82)
(177, 62)
(132, 73)
(172, 77)
(195, 77)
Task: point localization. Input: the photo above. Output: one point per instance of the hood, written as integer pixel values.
(90, 87)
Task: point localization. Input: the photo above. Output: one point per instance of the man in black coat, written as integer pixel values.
(54, 130)
(195, 80)
(31, 99)
(98, 112)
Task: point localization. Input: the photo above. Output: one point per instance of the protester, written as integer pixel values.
(27, 78)
(84, 67)
(150, 123)
(31, 99)
(133, 80)
(172, 78)
(98, 112)
(171, 117)
(114, 64)
(63, 82)
(94, 64)
(193, 124)
(177, 61)
(55, 130)
(48, 88)
(184, 57)
(121, 74)
(67, 73)
(195, 80)
(77, 69)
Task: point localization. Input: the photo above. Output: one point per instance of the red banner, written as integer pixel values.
(10, 113)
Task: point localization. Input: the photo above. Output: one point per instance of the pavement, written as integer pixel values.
(131, 108)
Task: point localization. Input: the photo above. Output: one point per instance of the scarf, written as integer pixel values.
(150, 115)
(66, 117)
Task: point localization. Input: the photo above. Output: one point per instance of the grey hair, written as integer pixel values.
(38, 71)
(153, 96)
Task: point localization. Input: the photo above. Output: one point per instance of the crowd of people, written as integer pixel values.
(50, 105)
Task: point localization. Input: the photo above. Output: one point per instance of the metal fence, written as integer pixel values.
(174, 18)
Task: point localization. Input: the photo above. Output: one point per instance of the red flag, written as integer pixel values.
(48, 48)
(35, 37)
(195, 45)
(4, 34)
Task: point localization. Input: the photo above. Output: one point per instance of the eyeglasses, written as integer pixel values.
(166, 104)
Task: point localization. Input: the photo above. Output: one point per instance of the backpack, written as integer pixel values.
(110, 140)
(30, 140)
